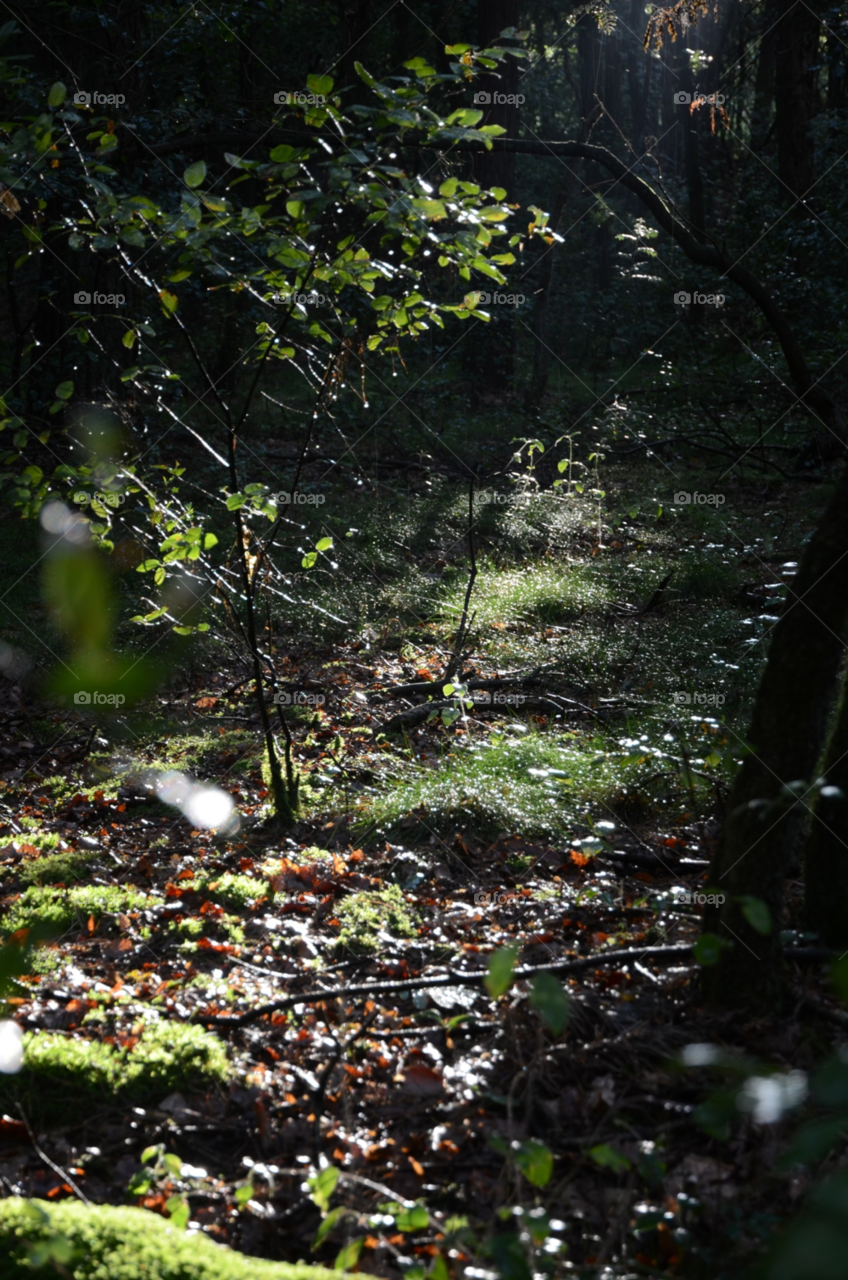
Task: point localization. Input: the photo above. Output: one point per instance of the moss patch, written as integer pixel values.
(112, 1243)
(59, 909)
(233, 890)
(367, 915)
(169, 1056)
(55, 868)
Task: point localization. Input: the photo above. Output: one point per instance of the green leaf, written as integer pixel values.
(415, 1219)
(323, 1185)
(708, 949)
(139, 1184)
(172, 1163)
(756, 912)
(535, 1161)
(243, 1194)
(57, 95)
(309, 559)
(235, 501)
(430, 208)
(195, 173)
(501, 966)
(151, 1153)
(209, 541)
(65, 390)
(327, 1225)
(178, 1212)
(510, 1258)
(349, 1255)
(320, 85)
(129, 338)
(608, 1158)
(324, 544)
(548, 997)
(169, 301)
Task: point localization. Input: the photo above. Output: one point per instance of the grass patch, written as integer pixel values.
(109, 1242)
(542, 785)
(368, 917)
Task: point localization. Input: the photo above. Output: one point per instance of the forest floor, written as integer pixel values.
(211, 1020)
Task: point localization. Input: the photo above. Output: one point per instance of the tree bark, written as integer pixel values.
(796, 48)
(826, 851)
(788, 726)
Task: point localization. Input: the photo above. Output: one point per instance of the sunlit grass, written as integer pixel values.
(544, 785)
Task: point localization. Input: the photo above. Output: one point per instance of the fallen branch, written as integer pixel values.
(553, 705)
(453, 979)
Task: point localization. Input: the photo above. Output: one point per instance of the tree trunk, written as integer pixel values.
(493, 169)
(489, 356)
(788, 726)
(826, 852)
(796, 48)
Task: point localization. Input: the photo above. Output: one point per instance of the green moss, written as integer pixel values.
(169, 1056)
(113, 1243)
(61, 908)
(188, 927)
(233, 890)
(55, 868)
(365, 915)
(313, 854)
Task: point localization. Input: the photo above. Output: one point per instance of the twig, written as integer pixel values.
(324, 1080)
(57, 1169)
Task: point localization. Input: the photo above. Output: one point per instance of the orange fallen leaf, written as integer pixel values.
(421, 1080)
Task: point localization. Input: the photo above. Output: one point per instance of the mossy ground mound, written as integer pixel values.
(168, 1056)
(113, 1243)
